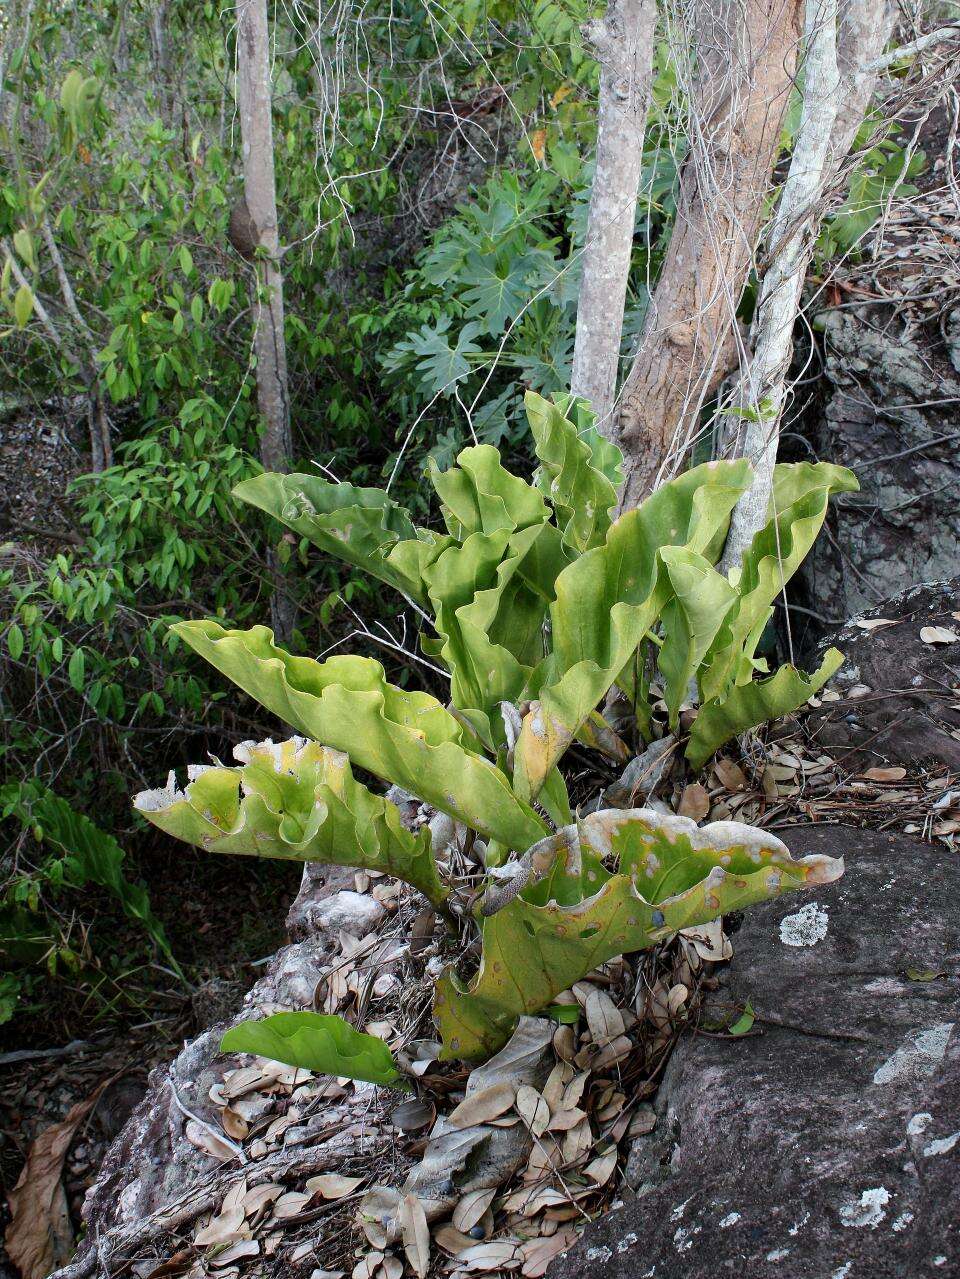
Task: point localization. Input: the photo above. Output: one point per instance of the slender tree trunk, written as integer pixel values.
(838, 83)
(256, 128)
(159, 46)
(747, 58)
(98, 419)
(623, 40)
(760, 395)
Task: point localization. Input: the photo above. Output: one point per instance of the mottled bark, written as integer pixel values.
(623, 40)
(256, 129)
(747, 56)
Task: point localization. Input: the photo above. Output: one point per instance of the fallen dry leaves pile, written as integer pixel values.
(622, 1021)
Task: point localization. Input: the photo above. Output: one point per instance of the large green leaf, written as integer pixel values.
(358, 525)
(312, 1041)
(404, 737)
(608, 598)
(489, 615)
(579, 470)
(801, 493)
(572, 915)
(701, 600)
(480, 496)
(747, 705)
(297, 801)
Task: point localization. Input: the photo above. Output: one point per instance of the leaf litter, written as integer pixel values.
(337, 1176)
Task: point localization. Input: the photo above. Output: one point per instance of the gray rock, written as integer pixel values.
(825, 1145)
(356, 913)
(910, 714)
(891, 415)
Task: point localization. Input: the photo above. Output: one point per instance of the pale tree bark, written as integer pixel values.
(101, 445)
(98, 422)
(256, 129)
(623, 39)
(760, 396)
(747, 54)
(840, 72)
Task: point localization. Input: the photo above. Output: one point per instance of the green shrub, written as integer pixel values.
(539, 604)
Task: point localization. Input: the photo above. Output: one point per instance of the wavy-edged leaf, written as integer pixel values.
(608, 598)
(360, 526)
(479, 495)
(794, 480)
(670, 875)
(579, 470)
(327, 1045)
(701, 600)
(404, 737)
(298, 801)
(489, 616)
(801, 494)
(747, 705)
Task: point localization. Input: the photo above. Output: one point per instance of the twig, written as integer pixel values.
(44, 1054)
(216, 1133)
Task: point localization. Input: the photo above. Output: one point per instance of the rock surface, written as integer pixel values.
(824, 1144)
(891, 415)
(911, 712)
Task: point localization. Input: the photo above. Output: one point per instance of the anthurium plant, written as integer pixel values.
(539, 603)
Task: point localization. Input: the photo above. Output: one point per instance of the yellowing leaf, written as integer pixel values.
(570, 914)
(296, 801)
(538, 144)
(23, 305)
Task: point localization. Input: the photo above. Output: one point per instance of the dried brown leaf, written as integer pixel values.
(730, 775)
(538, 1253)
(40, 1237)
(604, 1018)
(601, 1169)
(481, 1107)
(367, 1266)
(497, 1254)
(452, 1240)
(234, 1252)
(533, 1109)
(471, 1208)
(223, 1228)
(415, 1234)
(331, 1185)
(694, 802)
(291, 1204)
(885, 774)
(234, 1125)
